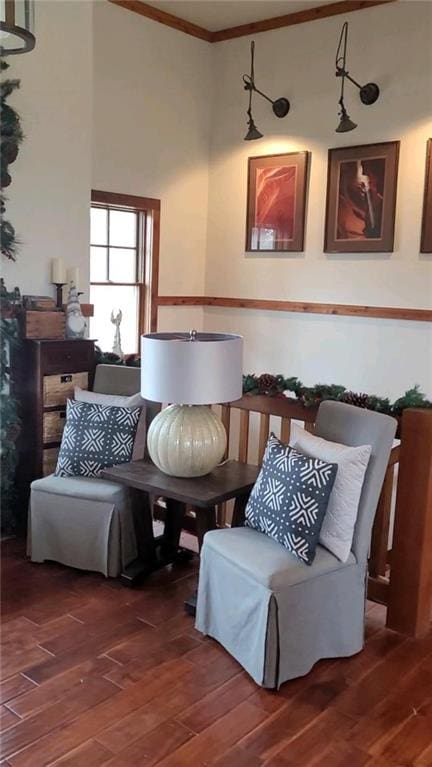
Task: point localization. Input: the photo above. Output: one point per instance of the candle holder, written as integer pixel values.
(59, 297)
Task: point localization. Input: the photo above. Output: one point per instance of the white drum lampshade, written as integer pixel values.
(190, 371)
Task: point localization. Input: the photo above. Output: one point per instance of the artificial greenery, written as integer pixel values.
(11, 138)
(9, 426)
(311, 396)
(109, 358)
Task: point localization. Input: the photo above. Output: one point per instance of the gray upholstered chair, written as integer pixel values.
(274, 614)
(87, 523)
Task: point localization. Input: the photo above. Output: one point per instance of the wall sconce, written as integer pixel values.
(368, 93)
(280, 106)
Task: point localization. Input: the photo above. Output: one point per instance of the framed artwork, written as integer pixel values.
(426, 233)
(361, 198)
(276, 202)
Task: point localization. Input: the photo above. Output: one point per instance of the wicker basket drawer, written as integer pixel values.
(49, 460)
(53, 425)
(57, 389)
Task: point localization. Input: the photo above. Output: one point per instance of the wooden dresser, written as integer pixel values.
(45, 373)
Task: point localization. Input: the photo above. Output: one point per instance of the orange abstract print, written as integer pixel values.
(275, 200)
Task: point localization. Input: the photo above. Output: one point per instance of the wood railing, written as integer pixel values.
(400, 564)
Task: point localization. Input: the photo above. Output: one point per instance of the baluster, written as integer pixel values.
(226, 420)
(221, 509)
(244, 436)
(380, 533)
(285, 431)
(264, 428)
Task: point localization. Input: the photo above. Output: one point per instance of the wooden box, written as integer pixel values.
(49, 325)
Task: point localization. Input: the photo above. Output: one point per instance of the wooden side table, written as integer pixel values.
(232, 480)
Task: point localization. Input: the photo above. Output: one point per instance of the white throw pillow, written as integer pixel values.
(113, 400)
(338, 526)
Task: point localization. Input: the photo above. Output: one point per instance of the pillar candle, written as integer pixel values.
(58, 271)
(73, 275)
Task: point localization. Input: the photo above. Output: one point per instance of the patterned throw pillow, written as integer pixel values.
(94, 437)
(290, 497)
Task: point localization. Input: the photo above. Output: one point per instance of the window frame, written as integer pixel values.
(147, 250)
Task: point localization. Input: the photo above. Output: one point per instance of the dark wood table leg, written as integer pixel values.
(146, 561)
(238, 518)
(205, 521)
(170, 540)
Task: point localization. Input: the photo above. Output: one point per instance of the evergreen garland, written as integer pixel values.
(9, 426)
(11, 138)
(311, 396)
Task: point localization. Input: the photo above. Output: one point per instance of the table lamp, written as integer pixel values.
(190, 372)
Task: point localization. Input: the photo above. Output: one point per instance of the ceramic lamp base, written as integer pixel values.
(186, 440)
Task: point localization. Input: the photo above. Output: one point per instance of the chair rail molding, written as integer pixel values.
(302, 307)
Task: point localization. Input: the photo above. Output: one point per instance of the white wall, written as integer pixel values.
(392, 46)
(153, 90)
(151, 134)
(51, 178)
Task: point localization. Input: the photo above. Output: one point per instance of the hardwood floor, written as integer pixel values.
(96, 674)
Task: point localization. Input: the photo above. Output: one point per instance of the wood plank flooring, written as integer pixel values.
(95, 674)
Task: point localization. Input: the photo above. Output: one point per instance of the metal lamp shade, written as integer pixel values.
(206, 370)
(345, 124)
(253, 133)
(16, 26)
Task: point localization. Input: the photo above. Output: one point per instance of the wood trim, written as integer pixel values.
(125, 200)
(302, 307)
(281, 406)
(300, 17)
(410, 596)
(154, 278)
(265, 25)
(168, 19)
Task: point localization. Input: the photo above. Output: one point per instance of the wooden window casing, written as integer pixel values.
(147, 251)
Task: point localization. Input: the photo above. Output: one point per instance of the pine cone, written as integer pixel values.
(267, 384)
(354, 398)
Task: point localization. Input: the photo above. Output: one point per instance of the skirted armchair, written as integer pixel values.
(274, 614)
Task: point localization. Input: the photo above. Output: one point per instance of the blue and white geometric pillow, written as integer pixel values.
(290, 498)
(95, 437)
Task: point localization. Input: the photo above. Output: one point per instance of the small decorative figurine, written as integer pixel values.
(75, 322)
(117, 338)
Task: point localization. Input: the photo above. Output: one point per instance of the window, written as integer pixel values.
(123, 268)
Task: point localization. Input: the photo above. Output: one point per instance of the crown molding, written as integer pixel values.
(300, 17)
(168, 19)
(253, 28)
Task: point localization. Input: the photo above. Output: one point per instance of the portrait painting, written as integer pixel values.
(426, 232)
(276, 202)
(361, 198)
